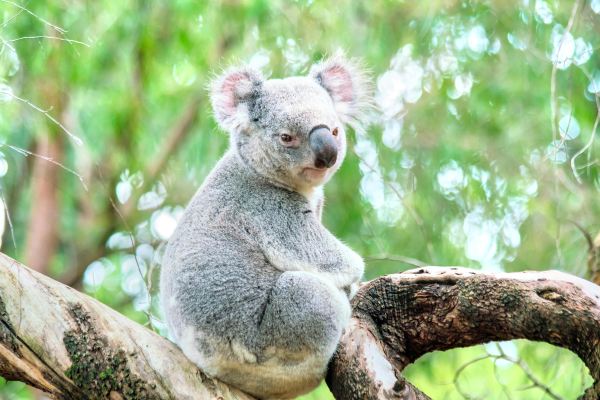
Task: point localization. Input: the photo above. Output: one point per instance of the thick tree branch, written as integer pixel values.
(71, 346)
(398, 318)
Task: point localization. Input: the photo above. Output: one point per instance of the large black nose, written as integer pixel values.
(324, 146)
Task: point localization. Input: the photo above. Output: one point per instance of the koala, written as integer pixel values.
(255, 290)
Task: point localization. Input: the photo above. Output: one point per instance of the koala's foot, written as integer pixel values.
(303, 321)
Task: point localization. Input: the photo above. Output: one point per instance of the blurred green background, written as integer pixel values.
(480, 150)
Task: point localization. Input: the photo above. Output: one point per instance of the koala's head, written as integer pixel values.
(291, 130)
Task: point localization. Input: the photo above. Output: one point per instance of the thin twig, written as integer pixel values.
(505, 387)
(148, 312)
(48, 37)
(27, 153)
(554, 119)
(589, 143)
(528, 373)
(553, 99)
(462, 368)
(399, 258)
(9, 20)
(72, 136)
(586, 234)
(413, 213)
(58, 28)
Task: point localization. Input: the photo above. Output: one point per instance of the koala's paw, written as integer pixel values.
(356, 265)
(351, 290)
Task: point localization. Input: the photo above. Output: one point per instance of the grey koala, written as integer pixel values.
(254, 288)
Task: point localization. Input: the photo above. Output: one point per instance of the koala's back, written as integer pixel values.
(211, 262)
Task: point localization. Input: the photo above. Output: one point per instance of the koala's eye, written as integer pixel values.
(289, 140)
(335, 132)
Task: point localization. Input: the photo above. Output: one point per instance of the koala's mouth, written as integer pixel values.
(315, 174)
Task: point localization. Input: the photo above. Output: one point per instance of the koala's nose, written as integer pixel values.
(323, 146)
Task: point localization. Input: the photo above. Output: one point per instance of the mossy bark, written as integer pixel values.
(72, 347)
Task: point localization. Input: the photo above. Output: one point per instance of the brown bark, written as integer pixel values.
(398, 318)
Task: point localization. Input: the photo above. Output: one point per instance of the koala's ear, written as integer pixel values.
(347, 84)
(230, 95)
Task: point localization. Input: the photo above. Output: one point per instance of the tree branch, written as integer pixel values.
(71, 346)
(398, 318)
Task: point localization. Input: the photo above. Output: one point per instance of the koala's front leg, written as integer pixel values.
(354, 271)
(310, 247)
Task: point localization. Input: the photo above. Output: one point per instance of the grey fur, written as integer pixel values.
(254, 288)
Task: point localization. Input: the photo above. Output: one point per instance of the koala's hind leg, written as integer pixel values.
(303, 319)
(299, 330)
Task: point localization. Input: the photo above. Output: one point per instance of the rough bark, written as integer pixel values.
(398, 318)
(69, 345)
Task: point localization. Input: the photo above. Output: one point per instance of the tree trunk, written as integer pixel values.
(69, 345)
(42, 233)
(43, 230)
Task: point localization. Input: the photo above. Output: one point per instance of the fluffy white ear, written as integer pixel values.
(230, 94)
(347, 84)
